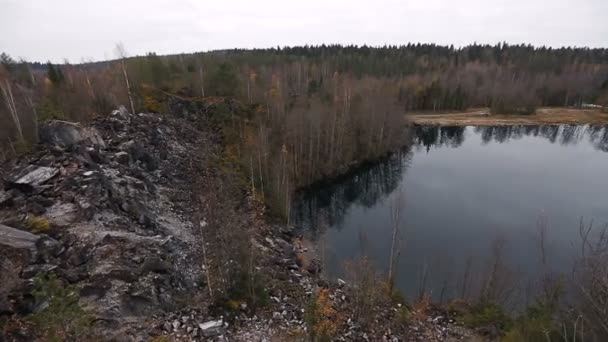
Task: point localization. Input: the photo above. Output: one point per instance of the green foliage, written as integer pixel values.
(49, 109)
(404, 314)
(502, 107)
(6, 60)
(224, 80)
(59, 316)
(318, 317)
(536, 324)
(54, 74)
(248, 287)
(22, 146)
(487, 314)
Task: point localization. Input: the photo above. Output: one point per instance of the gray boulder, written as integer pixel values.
(34, 175)
(66, 134)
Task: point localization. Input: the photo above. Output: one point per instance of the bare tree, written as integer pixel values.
(122, 54)
(7, 93)
(200, 70)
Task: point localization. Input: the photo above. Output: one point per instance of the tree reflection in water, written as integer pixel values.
(453, 136)
(327, 203)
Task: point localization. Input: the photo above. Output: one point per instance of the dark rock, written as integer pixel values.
(124, 274)
(285, 247)
(139, 154)
(6, 198)
(47, 248)
(97, 289)
(18, 239)
(120, 114)
(97, 156)
(36, 208)
(76, 257)
(314, 267)
(156, 265)
(323, 283)
(73, 275)
(32, 270)
(122, 158)
(85, 208)
(43, 201)
(66, 134)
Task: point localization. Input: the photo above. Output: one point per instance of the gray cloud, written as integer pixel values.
(41, 30)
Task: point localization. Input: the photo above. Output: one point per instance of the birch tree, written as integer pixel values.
(121, 53)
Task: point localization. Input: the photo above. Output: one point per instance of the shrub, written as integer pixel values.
(49, 110)
(487, 314)
(59, 316)
(501, 108)
(320, 317)
(38, 224)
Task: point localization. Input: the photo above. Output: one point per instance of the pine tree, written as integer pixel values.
(54, 74)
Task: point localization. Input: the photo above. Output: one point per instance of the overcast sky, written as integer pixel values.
(76, 29)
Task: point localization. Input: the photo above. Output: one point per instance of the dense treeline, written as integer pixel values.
(311, 111)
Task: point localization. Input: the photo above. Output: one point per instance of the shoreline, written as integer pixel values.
(543, 116)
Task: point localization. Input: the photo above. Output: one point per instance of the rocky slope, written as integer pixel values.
(134, 216)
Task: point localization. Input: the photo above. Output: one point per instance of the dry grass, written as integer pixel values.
(481, 117)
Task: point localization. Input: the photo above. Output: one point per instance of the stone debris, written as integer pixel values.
(66, 134)
(15, 238)
(211, 328)
(35, 175)
(5, 197)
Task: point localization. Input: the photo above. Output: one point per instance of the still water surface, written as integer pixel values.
(465, 190)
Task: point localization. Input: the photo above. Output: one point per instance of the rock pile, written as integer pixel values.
(105, 208)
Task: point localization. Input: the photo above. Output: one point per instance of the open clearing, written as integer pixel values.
(543, 116)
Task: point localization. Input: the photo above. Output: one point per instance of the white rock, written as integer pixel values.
(211, 328)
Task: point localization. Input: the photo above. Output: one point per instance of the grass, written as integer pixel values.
(542, 116)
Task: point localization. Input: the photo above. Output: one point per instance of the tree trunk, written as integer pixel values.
(124, 72)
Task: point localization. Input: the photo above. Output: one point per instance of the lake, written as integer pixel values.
(468, 197)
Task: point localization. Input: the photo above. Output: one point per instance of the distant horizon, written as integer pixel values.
(76, 30)
(457, 47)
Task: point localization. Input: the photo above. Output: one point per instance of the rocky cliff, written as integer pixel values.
(128, 229)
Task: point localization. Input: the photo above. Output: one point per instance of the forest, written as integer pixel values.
(302, 114)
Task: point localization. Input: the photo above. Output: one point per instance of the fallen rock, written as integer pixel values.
(18, 239)
(211, 328)
(122, 158)
(5, 198)
(34, 175)
(66, 134)
(32, 270)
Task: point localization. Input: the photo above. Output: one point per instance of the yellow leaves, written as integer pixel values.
(253, 76)
(152, 98)
(323, 320)
(273, 92)
(38, 224)
(421, 308)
